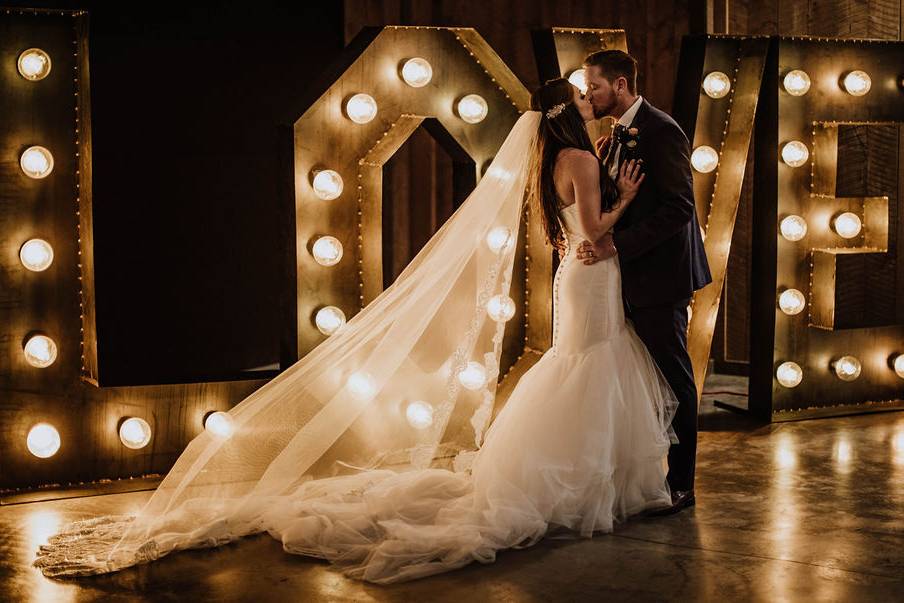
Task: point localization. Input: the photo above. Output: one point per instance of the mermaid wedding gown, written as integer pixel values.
(579, 445)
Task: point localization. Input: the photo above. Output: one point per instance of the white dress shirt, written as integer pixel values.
(624, 120)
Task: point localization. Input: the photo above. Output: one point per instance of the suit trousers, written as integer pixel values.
(663, 329)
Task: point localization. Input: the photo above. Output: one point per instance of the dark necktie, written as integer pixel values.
(618, 136)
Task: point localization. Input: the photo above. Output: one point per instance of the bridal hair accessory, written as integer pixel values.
(555, 110)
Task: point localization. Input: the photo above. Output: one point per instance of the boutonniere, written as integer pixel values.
(626, 136)
(633, 137)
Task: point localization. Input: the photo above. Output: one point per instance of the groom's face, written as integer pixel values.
(601, 93)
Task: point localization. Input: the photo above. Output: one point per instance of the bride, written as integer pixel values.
(372, 451)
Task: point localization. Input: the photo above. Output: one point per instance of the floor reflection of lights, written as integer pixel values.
(39, 526)
(783, 521)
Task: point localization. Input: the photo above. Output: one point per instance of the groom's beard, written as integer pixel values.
(604, 111)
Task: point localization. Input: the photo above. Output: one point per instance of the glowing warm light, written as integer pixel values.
(847, 368)
(40, 351)
(361, 108)
(785, 457)
(327, 251)
(499, 238)
(857, 83)
(796, 82)
(794, 228)
(789, 374)
(327, 184)
(361, 386)
(419, 414)
(43, 440)
(36, 255)
(899, 366)
(792, 302)
(843, 452)
(36, 162)
(501, 308)
(329, 319)
(704, 159)
(847, 225)
(473, 376)
(716, 84)
(897, 445)
(34, 64)
(578, 78)
(795, 153)
(219, 424)
(472, 108)
(417, 72)
(135, 433)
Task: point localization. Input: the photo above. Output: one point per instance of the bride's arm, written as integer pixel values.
(585, 177)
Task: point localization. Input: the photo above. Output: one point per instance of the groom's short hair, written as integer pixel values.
(614, 64)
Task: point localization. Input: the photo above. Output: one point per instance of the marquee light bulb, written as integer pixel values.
(135, 433)
(36, 162)
(704, 159)
(43, 440)
(40, 351)
(327, 184)
(789, 374)
(501, 308)
(34, 64)
(419, 414)
(329, 319)
(796, 82)
(417, 72)
(716, 84)
(794, 228)
(327, 251)
(499, 238)
(847, 368)
(899, 366)
(219, 424)
(36, 255)
(361, 386)
(578, 78)
(361, 108)
(792, 302)
(795, 153)
(857, 83)
(847, 225)
(472, 108)
(473, 376)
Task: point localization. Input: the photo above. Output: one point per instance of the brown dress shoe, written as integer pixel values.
(681, 499)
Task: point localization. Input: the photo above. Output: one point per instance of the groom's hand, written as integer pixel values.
(603, 249)
(602, 146)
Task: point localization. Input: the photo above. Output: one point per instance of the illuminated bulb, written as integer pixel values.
(578, 78)
(43, 440)
(34, 64)
(794, 228)
(327, 184)
(36, 255)
(473, 376)
(327, 251)
(417, 72)
(704, 159)
(135, 433)
(501, 308)
(847, 368)
(795, 153)
(499, 238)
(361, 386)
(219, 424)
(36, 162)
(847, 225)
(857, 83)
(716, 84)
(789, 374)
(792, 302)
(40, 351)
(899, 366)
(329, 319)
(361, 108)
(472, 108)
(419, 414)
(796, 82)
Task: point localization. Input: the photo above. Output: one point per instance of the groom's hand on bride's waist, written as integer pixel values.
(603, 249)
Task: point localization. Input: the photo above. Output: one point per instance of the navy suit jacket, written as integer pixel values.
(658, 239)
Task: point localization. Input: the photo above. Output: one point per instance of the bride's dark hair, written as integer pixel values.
(565, 130)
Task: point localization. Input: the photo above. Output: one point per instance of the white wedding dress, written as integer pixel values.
(579, 445)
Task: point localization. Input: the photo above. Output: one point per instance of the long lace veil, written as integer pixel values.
(409, 380)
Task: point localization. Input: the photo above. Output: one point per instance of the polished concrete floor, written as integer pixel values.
(806, 511)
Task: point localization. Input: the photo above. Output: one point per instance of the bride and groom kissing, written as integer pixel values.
(580, 443)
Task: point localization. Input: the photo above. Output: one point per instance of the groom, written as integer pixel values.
(657, 241)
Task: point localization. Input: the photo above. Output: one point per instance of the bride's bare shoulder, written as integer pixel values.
(574, 160)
